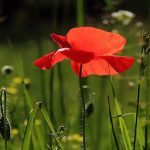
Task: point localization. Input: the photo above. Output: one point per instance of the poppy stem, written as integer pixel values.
(83, 112)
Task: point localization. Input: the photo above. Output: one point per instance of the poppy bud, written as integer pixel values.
(2, 128)
(89, 109)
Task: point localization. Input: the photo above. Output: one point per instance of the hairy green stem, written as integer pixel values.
(83, 112)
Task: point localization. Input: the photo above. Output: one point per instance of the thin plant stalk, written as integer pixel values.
(112, 125)
(136, 117)
(83, 111)
(144, 52)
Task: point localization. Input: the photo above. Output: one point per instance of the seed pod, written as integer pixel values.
(2, 128)
(89, 109)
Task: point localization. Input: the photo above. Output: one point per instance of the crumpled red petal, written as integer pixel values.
(95, 40)
(49, 60)
(60, 40)
(107, 65)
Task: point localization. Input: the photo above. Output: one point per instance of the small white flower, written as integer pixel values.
(123, 16)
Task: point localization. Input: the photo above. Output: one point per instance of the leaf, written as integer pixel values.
(49, 123)
(123, 128)
(28, 131)
(140, 134)
(29, 128)
(124, 132)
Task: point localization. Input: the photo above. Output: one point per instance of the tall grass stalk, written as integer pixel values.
(137, 113)
(83, 112)
(144, 53)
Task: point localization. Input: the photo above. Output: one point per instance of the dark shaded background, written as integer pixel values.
(24, 18)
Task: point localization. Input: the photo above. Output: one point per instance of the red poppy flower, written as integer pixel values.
(94, 48)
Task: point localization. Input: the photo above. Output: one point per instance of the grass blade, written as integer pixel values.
(124, 132)
(28, 131)
(112, 125)
(140, 134)
(123, 128)
(49, 123)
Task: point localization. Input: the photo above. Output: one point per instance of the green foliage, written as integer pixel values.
(124, 131)
(29, 128)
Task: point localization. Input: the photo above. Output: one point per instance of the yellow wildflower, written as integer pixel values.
(17, 80)
(14, 132)
(12, 90)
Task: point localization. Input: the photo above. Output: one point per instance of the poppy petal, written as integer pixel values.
(108, 65)
(79, 56)
(95, 40)
(119, 63)
(49, 60)
(60, 40)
